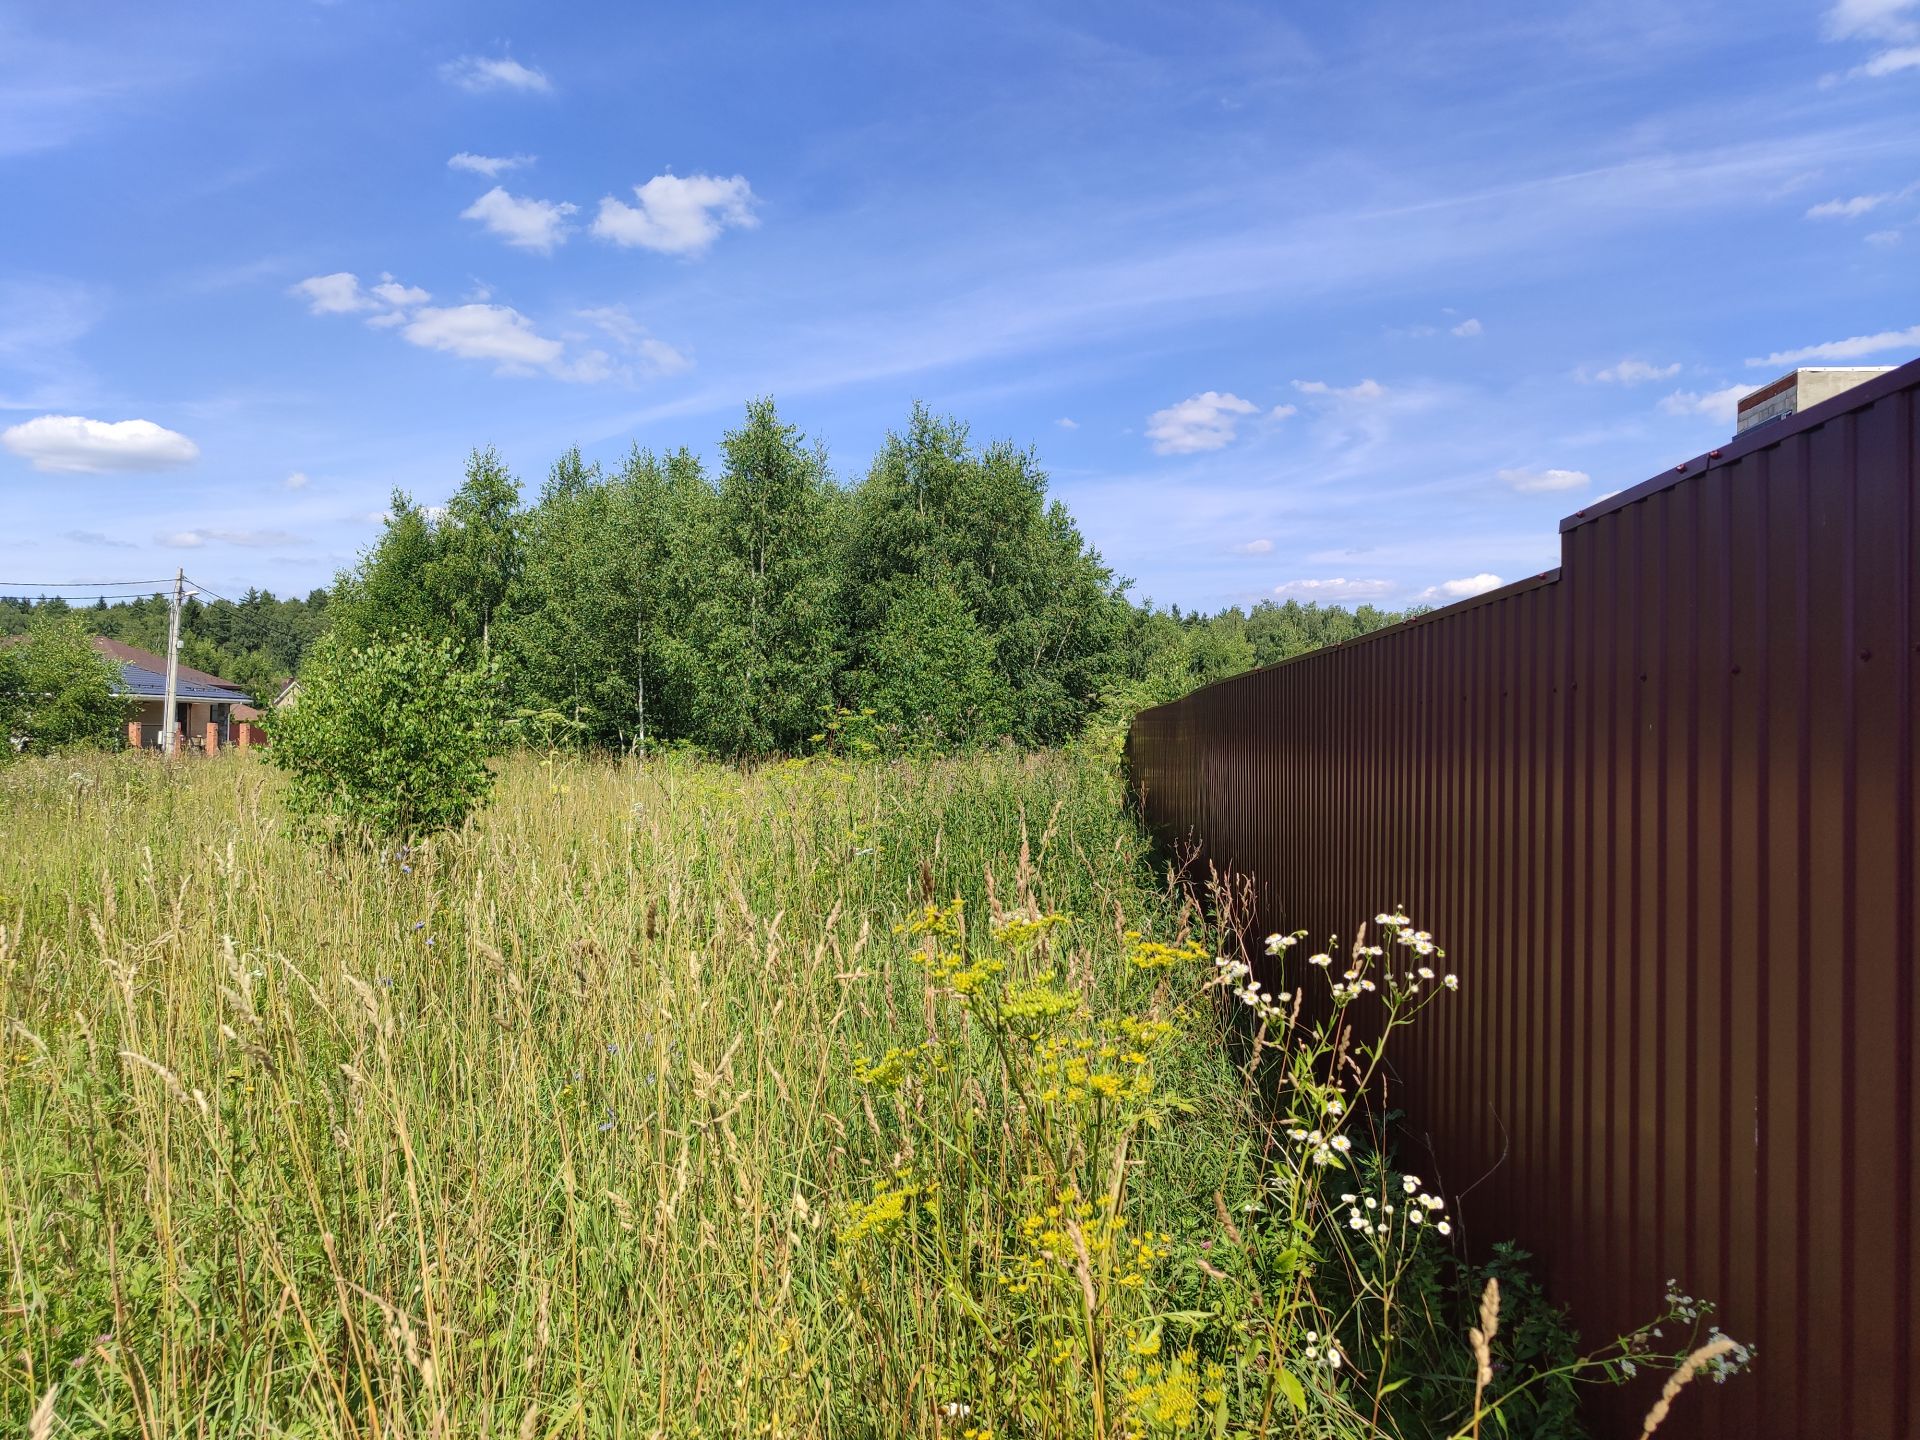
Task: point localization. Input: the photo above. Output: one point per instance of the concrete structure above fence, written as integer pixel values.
(1658, 805)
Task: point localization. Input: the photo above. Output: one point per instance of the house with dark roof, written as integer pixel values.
(209, 711)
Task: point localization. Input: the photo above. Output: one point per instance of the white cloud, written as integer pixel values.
(1254, 547)
(342, 294)
(527, 223)
(1534, 481)
(1720, 405)
(491, 166)
(253, 539)
(72, 444)
(1448, 590)
(479, 330)
(1635, 372)
(1365, 390)
(1067, 423)
(485, 332)
(678, 215)
(1848, 209)
(94, 537)
(400, 297)
(480, 73)
(1206, 421)
(336, 294)
(1855, 348)
(1468, 328)
(296, 481)
(1884, 237)
(1333, 590)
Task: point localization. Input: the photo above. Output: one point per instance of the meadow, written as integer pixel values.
(819, 1098)
(540, 1128)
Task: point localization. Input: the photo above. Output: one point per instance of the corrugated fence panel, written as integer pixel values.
(1659, 806)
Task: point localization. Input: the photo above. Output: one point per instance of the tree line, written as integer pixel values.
(256, 642)
(938, 601)
(941, 597)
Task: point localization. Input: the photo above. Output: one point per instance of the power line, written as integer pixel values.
(203, 590)
(35, 589)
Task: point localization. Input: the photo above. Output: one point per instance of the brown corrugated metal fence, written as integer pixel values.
(1659, 807)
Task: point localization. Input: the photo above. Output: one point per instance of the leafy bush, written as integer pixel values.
(56, 691)
(389, 740)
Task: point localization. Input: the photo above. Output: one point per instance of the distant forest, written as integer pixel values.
(256, 643)
(940, 598)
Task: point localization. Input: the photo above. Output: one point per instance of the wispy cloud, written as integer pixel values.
(650, 357)
(1856, 347)
(1336, 589)
(1889, 23)
(1254, 547)
(1539, 481)
(73, 444)
(523, 222)
(42, 319)
(94, 537)
(1891, 62)
(1450, 590)
(491, 166)
(296, 481)
(1067, 422)
(1365, 390)
(1872, 20)
(478, 74)
(1851, 209)
(678, 215)
(1468, 328)
(511, 341)
(1633, 372)
(1722, 405)
(249, 539)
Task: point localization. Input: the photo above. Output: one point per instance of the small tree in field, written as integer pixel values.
(56, 691)
(390, 740)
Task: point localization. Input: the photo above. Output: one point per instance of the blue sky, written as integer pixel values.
(1346, 302)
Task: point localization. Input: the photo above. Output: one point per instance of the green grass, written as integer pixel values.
(546, 1129)
(673, 1099)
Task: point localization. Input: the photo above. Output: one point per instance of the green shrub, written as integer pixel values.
(390, 740)
(56, 691)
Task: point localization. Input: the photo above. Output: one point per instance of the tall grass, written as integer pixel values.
(538, 1130)
(674, 1099)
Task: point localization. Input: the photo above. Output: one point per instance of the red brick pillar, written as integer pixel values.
(242, 734)
(213, 738)
(135, 734)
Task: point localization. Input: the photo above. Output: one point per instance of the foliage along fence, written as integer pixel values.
(1659, 806)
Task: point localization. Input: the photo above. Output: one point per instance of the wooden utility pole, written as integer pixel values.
(169, 740)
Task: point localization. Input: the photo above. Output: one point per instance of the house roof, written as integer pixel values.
(144, 674)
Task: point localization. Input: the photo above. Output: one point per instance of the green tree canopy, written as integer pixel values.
(57, 691)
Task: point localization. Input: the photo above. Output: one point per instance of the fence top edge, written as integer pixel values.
(1904, 377)
(1372, 637)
